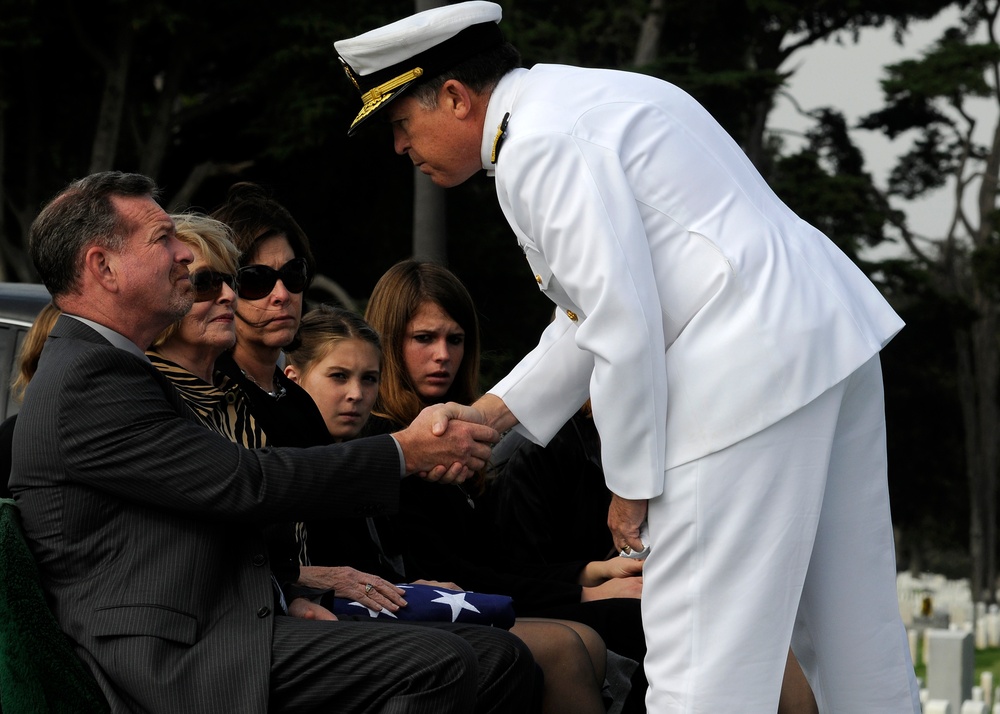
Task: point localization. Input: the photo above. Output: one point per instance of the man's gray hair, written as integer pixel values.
(480, 73)
(79, 216)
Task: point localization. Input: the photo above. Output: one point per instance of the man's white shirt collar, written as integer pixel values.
(115, 338)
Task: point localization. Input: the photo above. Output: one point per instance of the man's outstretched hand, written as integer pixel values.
(446, 443)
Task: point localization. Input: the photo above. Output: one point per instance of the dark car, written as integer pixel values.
(20, 303)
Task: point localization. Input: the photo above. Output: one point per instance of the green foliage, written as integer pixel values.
(917, 93)
(567, 32)
(925, 166)
(302, 98)
(17, 26)
(906, 112)
(953, 69)
(951, 72)
(825, 183)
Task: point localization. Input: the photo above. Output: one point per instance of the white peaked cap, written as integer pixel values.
(386, 61)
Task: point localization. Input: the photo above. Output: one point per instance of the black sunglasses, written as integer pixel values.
(207, 284)
(257, 281)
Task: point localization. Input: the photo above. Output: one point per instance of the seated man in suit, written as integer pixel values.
(147, 527)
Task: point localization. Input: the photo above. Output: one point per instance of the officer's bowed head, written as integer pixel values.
(385, 62)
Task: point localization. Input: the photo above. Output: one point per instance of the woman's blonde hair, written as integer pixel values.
(31, 349)
(213, 240)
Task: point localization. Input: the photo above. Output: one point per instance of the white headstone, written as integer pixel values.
(951, 667)
(937, 706)
(993, 627)
(971, 707)
(982, 636)
(986, 682)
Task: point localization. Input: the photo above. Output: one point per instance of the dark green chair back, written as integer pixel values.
(40, 671)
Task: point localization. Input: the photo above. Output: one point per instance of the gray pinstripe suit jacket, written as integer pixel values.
(146, 525)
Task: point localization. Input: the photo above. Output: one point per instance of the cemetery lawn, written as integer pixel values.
(987, 660)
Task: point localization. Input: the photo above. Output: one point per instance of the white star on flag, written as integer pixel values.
(456, 601)
(372, 613)
(428, 603)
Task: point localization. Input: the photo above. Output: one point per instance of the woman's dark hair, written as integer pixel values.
(254, 217)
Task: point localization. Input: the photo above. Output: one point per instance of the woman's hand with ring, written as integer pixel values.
(370, 590)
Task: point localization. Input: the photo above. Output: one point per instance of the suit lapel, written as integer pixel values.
(69, 328)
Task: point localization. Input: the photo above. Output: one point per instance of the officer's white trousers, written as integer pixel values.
(783, 538)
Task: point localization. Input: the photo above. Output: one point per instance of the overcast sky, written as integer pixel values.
(847, 77)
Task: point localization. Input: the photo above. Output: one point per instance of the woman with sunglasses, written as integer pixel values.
(276, 266)
(186, 353)
(187, 350)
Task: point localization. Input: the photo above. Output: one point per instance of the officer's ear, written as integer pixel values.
(457, 98)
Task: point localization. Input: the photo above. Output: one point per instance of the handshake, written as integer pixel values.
(447, 443)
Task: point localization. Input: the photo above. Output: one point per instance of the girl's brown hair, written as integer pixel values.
(395, 300)
(322, 327)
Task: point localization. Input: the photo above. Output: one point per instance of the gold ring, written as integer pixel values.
(368, 588)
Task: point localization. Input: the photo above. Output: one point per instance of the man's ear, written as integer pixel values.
(457, 98)
(101, 267)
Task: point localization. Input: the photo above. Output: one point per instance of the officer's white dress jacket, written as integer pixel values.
(696, 308)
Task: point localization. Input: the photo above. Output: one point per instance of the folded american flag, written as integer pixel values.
(428, 603)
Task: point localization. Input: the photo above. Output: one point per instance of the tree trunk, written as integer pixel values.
(109, 120)
(978, 404)
(986, 368)
(647, 48)
(754, 147)
(17, 265)
(197, 176)
(430, 236)
(155, 149)
(430, 233)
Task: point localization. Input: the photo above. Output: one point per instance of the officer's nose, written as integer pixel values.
(400, 140)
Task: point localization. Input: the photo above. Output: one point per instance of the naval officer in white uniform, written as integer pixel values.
(729, 349)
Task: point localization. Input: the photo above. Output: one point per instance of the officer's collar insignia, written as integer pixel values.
(498, 139)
